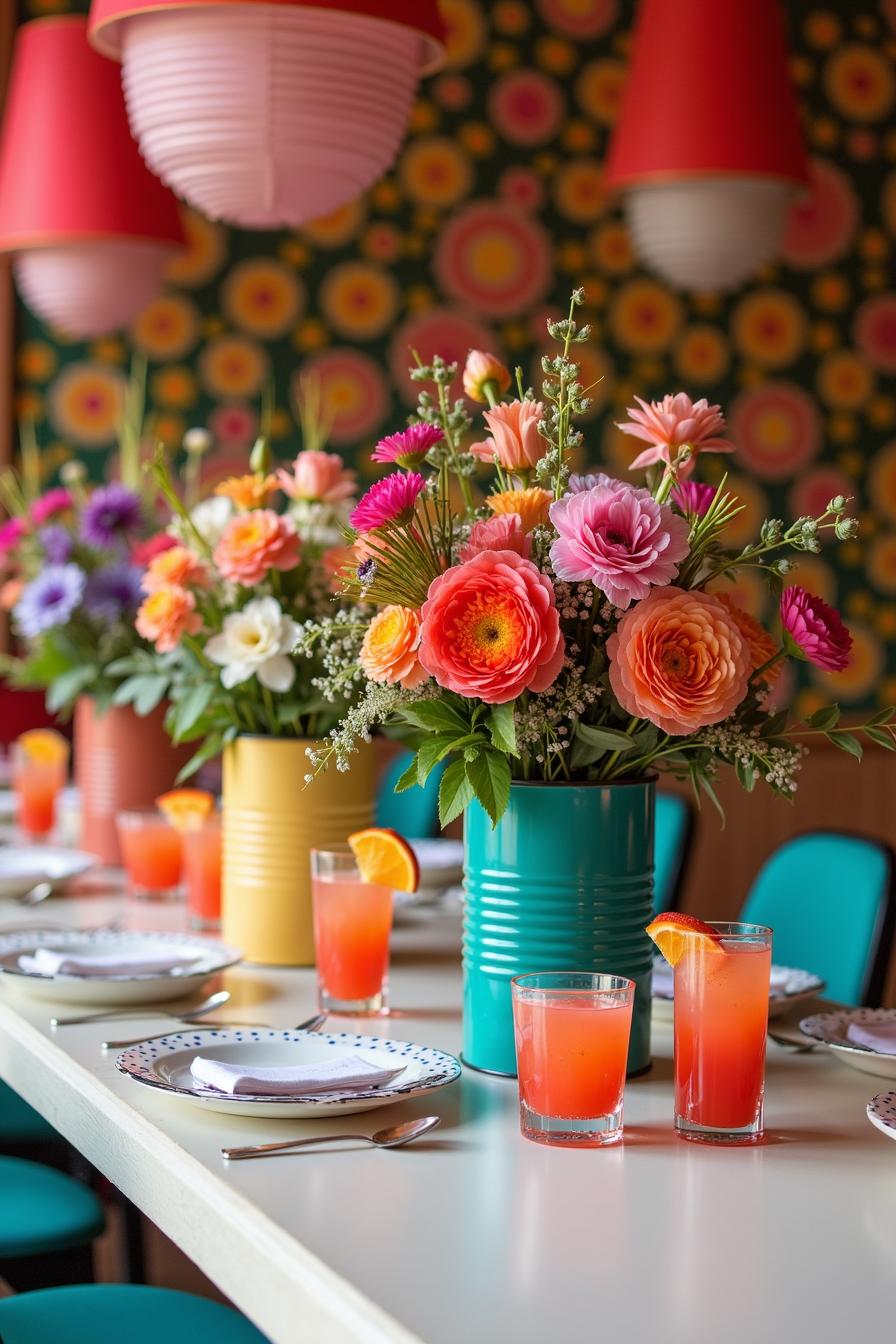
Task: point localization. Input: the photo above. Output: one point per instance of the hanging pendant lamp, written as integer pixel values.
(269, 113)
(708, 151)
(90, 229)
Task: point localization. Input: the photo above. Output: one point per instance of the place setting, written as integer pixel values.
(863, 1038)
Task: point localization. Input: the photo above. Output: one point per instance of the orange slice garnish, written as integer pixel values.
(44, 745)
(386, 859)
(676, 934)
(186, 809)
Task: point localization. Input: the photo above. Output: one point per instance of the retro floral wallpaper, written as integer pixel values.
(494, 210)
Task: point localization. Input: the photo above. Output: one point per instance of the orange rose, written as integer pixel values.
(679, 660)
(177, 567)
(532, 505)
(166, 616)
(255, 543)
(389, 651)
(248, 492)
(761, 645)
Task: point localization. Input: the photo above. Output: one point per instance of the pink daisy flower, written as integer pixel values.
(674, 424)
(408, 448)
(390, 500)
(814, 631)
(54, 501)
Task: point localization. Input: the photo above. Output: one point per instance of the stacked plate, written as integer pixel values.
(850, 1035)
(24, 866)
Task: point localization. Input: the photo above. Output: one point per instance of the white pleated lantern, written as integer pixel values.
(268, 115)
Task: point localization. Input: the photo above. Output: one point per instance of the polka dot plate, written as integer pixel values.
(881, 1111)
(831, 1029)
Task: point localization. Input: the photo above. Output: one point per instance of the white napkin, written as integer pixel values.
(664, 981)
(346, 1073)
(877, 1036)
(49, 961)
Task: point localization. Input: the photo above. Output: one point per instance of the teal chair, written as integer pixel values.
(414, 813)
(47, 1223)
(831, 901)
(19, 1124)
(88, 1313)
(672, 843)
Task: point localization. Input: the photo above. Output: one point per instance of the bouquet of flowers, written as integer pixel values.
(569, 627)
(223, 596)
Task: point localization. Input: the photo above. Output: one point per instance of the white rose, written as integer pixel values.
(210, 518)
(256, 642)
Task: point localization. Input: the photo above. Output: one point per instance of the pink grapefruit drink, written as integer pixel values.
(202, 873)
(352, 924)
(572, 1034)
(151, 852)
(37, 785)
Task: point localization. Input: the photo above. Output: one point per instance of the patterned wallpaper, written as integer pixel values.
(494, 210)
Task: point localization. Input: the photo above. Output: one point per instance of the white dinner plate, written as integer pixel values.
(23, 866)
(831, 1028)
(797, 985)
(881, 1111)
(120, 990)
(165, 1066)
(441, 863)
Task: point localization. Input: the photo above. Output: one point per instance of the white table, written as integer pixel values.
(476, 1236)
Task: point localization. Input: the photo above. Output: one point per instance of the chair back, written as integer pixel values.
(414, 813)
(672, 842)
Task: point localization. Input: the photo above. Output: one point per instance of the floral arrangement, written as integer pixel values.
(224, 591)
(569, 627)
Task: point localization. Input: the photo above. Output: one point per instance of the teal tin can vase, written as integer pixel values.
(564, 882)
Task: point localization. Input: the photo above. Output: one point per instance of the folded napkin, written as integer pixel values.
(49, 961)
(664, 981)
(877, 1036)
(346, 1073)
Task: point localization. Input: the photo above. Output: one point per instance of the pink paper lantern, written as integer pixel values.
(269, 114)
(90, 229)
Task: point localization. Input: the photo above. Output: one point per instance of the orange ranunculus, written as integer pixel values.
(761, 645)
(389, 651)
(248, 492)
(255, 543)
(178, 566)
(679, 660)
(166, 615)
(532, 505)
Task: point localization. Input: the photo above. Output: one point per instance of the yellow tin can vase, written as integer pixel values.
(271, 822)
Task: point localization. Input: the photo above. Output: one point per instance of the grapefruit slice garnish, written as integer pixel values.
(385, 858)
(186, 809)
(44, 746)
(676, 934)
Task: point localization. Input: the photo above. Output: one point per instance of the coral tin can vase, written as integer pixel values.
(122, 762)
(564, 882)
(271, 822)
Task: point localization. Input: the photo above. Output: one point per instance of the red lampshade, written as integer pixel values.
(708, 146)
(74, 188)
(268, 113)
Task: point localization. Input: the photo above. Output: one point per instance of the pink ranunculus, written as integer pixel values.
(490, 628)
(694, 497)
(579, 483)
(504, 532)
(390, 500)
(11, 533)
(317, 476)
(253, 544)
(814, 631)
(515, 441)
(673, 424)
(48, 505)
(619, 538)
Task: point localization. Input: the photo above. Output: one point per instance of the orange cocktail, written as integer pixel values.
(352, 924)
(39, 771)
(572, 1031)
(721, 1023)
(202, 872)
(151, 852)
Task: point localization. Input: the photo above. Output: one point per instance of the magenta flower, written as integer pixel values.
(814, 631)
(674, 424)
(54, 501)
(408, 448)
(693, 497)
(11, 533)
(619, 538)
(390, 500)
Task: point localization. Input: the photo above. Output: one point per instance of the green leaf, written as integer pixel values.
(455, 792)
(746, 775)
(431, 751)
(65, 688)
(489, 774)
(609, 739)
(192, 707)
(774, 725)
(881, 738)
(407, 779)
(824, 718)
(434, 716)
(882, 716)
(210, 748)
(503, 729)
(846, 742)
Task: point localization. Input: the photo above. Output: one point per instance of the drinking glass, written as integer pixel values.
(152, 854)
(352, 923)
(202, 872)
(721, 1023)
(572, 1030)
(37, 785)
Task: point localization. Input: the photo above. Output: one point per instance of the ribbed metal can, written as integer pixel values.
(564, 882)
(271, 822)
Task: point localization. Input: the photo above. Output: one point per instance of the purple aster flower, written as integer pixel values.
(11, 533)
(50, 599)
(407, 449)
(579, 483)
(366, 572)
(113, 592)
(390, 500)
(54, 501)
(619, 538)
(693, 497)
(56, 543)
(111, 515)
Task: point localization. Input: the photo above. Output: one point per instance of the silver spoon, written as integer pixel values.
(34, 895)
(796, 1047)
(311, 1024)
(395, 1137)
(216, 1000)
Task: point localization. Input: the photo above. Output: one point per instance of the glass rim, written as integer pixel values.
(141, 813)
(522, 984)
(738, 930)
